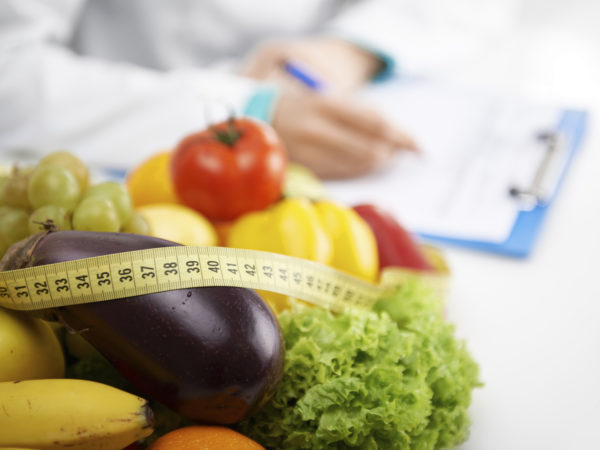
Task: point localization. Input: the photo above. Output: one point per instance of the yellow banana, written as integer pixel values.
(68, 413)
(28, 348)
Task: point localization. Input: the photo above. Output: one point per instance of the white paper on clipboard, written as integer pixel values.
(476, 145)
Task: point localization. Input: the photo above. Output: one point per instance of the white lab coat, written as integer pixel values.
(115, 80)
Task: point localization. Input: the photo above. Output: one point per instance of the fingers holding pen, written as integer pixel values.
(369, 121)
(333, 143)
(351, 145)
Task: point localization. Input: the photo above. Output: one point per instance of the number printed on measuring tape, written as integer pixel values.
(123, 275)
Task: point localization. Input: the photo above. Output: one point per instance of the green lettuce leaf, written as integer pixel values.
(392, 378)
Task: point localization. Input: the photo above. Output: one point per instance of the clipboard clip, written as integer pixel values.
(547, 174)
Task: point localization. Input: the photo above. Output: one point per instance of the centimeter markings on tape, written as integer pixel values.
(126, 274)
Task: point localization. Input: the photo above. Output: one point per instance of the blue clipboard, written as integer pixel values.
(528, 224)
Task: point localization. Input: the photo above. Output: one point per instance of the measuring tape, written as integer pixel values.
(139, 272)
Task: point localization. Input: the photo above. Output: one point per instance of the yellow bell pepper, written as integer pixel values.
(324, 232)
(290, 227)
(354, 244)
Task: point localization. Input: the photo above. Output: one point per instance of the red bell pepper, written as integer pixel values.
(396, 246)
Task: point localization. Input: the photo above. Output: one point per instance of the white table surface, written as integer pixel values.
(533, 325)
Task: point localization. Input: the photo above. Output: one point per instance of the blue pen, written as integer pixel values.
(304, 75)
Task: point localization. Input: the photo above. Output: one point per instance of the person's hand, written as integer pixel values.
(335, 136)
(342, 65)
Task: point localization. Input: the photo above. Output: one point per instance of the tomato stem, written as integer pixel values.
(230, 135)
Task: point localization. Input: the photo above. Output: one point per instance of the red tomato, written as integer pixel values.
(395, 245)
(229, 169)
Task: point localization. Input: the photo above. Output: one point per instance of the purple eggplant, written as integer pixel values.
(214, 355)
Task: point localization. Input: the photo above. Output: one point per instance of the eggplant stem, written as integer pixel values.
(20, 253)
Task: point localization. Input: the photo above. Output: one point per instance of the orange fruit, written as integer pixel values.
(150, 182)
(204, 437)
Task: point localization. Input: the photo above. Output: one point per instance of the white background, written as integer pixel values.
(533, 325)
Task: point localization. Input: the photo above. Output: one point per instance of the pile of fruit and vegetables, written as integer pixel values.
(222, 367)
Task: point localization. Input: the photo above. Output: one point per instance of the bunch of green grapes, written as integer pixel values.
(56, 194)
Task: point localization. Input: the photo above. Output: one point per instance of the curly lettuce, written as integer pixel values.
(393, 378)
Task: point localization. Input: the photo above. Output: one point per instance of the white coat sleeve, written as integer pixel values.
(421, 37)
(104, 111)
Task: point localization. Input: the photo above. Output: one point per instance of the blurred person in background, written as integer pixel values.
(125, 78)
